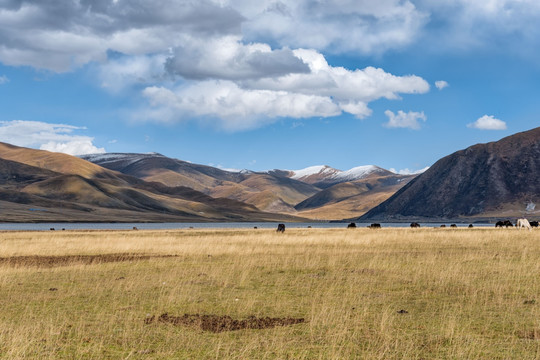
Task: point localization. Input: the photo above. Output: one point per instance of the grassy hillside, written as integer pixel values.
(369, 294)
(351, 199)
(38, 185)
(57, 162)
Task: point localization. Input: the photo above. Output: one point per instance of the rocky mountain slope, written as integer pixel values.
(497, 179)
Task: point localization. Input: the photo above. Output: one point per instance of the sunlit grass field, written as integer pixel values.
(363, 294)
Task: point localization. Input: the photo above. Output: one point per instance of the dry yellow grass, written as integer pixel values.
(466, 294)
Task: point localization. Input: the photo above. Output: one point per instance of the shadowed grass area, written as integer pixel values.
(383, 294)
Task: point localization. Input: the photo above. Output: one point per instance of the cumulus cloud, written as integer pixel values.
(232, 107)
(219, 53)
(228, 59)
(3, 79)
(404, 120)
(61, 35)
(323, 92)
(441, 84)
(371, 26)
(488, 122)
(45, 136)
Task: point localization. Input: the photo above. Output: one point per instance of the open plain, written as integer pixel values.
(426, 293)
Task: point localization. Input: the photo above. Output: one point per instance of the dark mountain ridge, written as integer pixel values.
(483, 181)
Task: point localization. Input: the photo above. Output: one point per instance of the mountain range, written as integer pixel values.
(483, 182)
(317, 192)
(37, 185)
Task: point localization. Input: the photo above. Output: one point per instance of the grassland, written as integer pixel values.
(363, 294)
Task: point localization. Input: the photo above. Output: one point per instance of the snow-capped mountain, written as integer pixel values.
(324, 176)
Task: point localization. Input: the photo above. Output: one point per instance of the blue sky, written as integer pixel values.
(269, 84)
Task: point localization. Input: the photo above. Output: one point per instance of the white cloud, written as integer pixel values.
(407, 171)
(404, 120)
(372, 27)
(220, 50)
(3, 79)
(441, 84)
(60, 36)
(351, 89)
(228, 59)
(488, 122)
(325, 91)
(73, 147)
(45, 136)
(232, 107)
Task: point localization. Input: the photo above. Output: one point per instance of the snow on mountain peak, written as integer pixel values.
(322, 170)
(325, 172)
(358, 172)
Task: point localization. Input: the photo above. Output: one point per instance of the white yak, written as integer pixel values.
(523, 223)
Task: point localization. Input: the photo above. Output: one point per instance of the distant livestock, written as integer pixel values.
(443, 226)
(415, 225)
(351, 226)
(281, 228)
(523, 223)
(471, 226)
(375, 226)
(534, 223)
(453, 226)
(505, 223)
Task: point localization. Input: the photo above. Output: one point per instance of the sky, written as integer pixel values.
(266, 84)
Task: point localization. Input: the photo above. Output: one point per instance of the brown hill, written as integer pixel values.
(67, 188)
(265, 191)
(497, 179)
(57, 162)
(350, 199)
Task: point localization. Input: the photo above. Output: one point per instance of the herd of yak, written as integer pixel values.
(520, 223)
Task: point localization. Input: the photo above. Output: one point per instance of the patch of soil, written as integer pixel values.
(530, 334)
(64, 260)
(221, 323)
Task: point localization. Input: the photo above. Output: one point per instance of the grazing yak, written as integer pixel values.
(375, 226)
(280, 228)
(351, 226)
(471, 226)
(453, 226)
(534, 223)
(523, 223)
(415, 225)
(501, 223)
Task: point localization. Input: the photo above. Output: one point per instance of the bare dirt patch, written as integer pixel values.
(221, 323)
(64, 260)
(530, 334)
